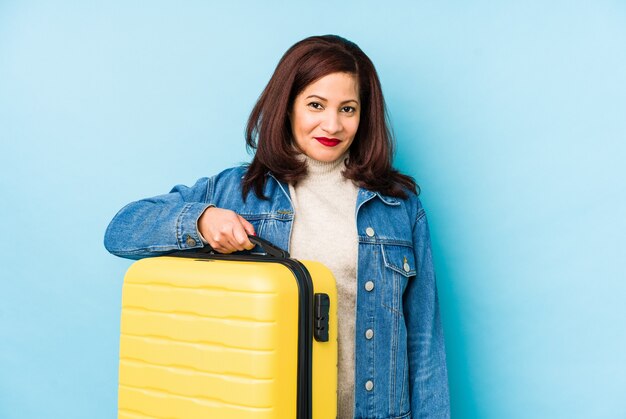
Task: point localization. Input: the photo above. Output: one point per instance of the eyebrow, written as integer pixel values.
(324, 99)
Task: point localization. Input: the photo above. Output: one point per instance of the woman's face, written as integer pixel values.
(325, 116)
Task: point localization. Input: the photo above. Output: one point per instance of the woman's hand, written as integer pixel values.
(225, 230)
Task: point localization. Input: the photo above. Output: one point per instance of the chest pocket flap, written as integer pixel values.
(399, 258)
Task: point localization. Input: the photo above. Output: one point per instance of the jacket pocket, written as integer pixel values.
(399, 258)
(399, 267)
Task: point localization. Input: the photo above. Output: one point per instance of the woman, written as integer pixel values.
(321, 184)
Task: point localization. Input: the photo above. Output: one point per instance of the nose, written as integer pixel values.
(331, 123)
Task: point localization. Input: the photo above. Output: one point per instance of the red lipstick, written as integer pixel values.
(328, 142)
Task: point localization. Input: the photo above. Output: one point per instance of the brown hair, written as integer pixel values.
(269, 129)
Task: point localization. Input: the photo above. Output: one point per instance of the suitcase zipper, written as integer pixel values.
(305, 338)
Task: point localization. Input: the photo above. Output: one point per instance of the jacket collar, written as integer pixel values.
(365, 195)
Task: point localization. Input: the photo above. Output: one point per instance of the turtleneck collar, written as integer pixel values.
(316, 167)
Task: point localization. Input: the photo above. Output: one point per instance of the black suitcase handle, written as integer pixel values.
(269, 248)
(266, 246)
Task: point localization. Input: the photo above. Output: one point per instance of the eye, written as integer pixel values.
(315, 105)
(348, 109)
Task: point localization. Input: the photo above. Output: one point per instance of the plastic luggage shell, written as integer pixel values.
(218, 337)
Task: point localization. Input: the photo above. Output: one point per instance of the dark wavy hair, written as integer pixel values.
(269, 128)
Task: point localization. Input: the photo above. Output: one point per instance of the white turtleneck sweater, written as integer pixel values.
(324, 230)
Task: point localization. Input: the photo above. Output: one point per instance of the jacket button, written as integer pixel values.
(369, 285)
(369, 333)
(406, 267)
(369, 231)
(190, 241)
(369, 385)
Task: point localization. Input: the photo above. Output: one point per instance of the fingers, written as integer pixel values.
(225, 230)
(225, 238)
(247, 226)
(240, 237)
(249, 230)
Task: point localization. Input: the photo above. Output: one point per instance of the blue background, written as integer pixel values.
(511, 115)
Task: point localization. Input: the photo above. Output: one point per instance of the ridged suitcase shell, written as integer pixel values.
(205, 338)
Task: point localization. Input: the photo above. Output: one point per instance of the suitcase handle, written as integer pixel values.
(268, 247)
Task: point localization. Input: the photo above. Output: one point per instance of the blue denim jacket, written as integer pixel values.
(401, 372)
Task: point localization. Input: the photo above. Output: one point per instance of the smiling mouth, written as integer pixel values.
(328, 142)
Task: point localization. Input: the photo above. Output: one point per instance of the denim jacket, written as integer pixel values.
(400, 372)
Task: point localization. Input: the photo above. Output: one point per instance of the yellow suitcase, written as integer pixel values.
(239, 336)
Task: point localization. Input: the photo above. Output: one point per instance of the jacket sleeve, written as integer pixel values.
(428, 376)
(159, 225)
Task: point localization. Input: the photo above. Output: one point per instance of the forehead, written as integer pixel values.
(334, 85)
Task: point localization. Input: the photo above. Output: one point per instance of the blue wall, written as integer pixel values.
(511, 115)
